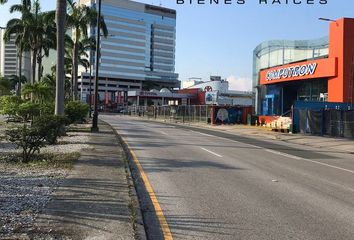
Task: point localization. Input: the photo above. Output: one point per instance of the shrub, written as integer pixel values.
(51, 127)
(27, 110)
(17, 108)
(30, 140)
(76, 111)
(47, 108)
(9, 105)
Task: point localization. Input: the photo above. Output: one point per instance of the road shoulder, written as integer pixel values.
(94, 201)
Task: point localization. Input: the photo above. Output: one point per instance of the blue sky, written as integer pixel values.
(219, 39)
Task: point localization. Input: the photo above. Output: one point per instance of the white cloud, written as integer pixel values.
(240, 83)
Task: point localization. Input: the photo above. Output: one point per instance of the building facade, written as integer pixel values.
(317, 70)
(139, 52)
(9, 59)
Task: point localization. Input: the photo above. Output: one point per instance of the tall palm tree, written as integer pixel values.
(85, 45)
(47, 40)
(32, 28)
(15, 27)
(60, 75)
(79, 19)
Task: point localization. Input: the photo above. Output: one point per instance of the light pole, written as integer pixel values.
(327, 19)
(90, 82)
(94, 127)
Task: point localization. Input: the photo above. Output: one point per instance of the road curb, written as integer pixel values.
(140, 226)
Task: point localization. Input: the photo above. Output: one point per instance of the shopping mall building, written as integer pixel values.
(314, 71)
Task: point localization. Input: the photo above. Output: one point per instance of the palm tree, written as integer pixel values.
(47, 40)
(85, 45)
(29, 31)
(17, 81)
(50, 81)
(60, 75)
(79, 19)
(15, 27)
(40, 92)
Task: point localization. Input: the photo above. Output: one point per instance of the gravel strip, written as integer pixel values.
(23, 194)
(25, 190)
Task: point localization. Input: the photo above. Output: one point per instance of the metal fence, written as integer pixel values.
(183, 114)
(332, 122)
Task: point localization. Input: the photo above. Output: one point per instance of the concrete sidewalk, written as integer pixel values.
(93, 201)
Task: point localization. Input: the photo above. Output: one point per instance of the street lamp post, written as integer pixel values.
(90, 88)
(94, 127)
(327, 19)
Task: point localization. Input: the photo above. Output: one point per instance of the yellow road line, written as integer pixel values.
(159, 213)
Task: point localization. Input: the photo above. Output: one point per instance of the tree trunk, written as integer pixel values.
(34, 65)
(60, 73)
(39, 61)
(18, 91)
(75, 69)
(72, 83)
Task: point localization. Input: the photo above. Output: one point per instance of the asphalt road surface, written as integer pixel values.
(214, 185)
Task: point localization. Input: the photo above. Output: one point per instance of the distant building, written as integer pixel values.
(9, 59)
(191, 82)
(216, 91)
(139, 52)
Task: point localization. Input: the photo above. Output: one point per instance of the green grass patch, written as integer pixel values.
(44, 160)
(79, 129)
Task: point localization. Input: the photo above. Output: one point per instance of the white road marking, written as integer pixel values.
(283, 154)
(218, 155)
(204, 134)
(308, 160)
(274, 152)
(164, 133)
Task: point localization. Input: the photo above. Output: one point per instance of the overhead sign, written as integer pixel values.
(295, 71)
(320, 68)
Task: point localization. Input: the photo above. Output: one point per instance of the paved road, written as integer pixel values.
(212, 185)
